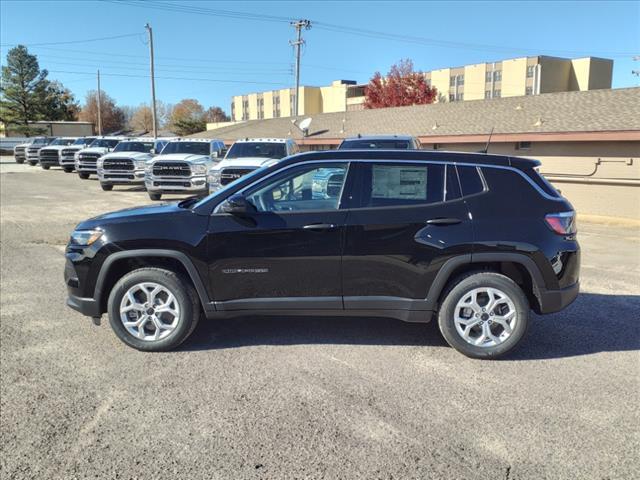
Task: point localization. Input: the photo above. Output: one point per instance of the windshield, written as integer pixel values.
(364, 144)
(194, 148)
(257, 149)
(104, 143)
(40, 141)
(134, 147)
(84, 141)
(62, 141)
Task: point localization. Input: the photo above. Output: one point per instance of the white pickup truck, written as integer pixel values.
(247, 155)
(182, 167)
(87, 159)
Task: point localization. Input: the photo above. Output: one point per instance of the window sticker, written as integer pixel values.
(399, 182)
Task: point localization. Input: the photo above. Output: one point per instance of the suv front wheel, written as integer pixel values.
(484, 315)
(153, 309)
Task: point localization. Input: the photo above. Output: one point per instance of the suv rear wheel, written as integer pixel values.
(483, 315)
(153, 309)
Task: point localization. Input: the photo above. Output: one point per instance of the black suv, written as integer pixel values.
(476, 240)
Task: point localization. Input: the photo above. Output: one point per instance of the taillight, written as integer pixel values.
(562, 223)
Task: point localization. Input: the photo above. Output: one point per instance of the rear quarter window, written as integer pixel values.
(540, 181)
(470, 180)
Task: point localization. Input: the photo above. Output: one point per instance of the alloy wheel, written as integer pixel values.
(485, 317)
(149, 311)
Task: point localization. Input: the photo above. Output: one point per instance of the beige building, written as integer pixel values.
(53, 129)
(588, 141)
(507, 78)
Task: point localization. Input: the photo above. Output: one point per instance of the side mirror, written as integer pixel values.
(238, 205)
(214, 154)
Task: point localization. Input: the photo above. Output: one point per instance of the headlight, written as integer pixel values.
(148, 168)
(99, 163)
(85, 237)
(214, 177)
(199, 169)
(139, 164)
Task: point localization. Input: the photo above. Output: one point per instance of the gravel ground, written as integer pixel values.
(304, 397)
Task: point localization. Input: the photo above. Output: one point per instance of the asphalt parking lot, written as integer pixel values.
(304, 397)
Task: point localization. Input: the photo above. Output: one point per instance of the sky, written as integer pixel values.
(214, 50)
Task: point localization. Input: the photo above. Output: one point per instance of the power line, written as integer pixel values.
(167, 6)
(215, 80)
(71, 41)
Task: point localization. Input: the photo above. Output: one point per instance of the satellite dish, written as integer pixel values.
(305, 124)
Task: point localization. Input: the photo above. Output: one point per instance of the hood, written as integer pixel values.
(245, 162)
(183, 157)
(131, 155)
(55, 147)
(74, 147)
(94, 150)
(130, 215)
(22, 145)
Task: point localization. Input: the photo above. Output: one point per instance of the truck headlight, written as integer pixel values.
(199, 169)
(214, 178)
(139, 164)
(85, 238)
(99, 163)
(148, 168)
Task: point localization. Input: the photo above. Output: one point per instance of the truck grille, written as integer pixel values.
(89, 157)
(118, 164)
(20, 150)
(33, 150)
(172, 169)
(69, 152)
(51, 155)
(228, 175)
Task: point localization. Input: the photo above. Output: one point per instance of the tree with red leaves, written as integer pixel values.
(402, 86)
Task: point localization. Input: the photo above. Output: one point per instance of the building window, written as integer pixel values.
(276, 105)
(260, 108)
(459, 78)
(497, 94)
(245, 109)
(487, 94)
(497, 76)
(292, 99)
(530, 71)
(233, 110)
(460, 97)
(528, 91)
(487, 76)
(452, 97)
(523, 146)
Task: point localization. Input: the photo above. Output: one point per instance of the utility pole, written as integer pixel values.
(99, 107)
(153, 83)
(298, 25)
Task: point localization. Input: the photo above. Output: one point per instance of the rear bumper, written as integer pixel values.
(555, 300)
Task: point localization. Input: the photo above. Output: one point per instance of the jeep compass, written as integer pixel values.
(475, 241)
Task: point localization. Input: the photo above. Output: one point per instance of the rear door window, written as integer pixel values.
(397, 184)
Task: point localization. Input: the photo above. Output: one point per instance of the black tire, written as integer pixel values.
(83, 176)
(155, 196)
(460, 287)
(68, 170)
(184, 294)
(45, 167)
(33, 164)
(106, 187)
(19, 161)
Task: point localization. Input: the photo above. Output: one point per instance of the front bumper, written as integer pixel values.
(86, 306)
(68, 161)
(49, 162)
(121, 177)
(555, 300)
(195, 184)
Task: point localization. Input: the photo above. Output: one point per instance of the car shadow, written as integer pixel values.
(593, 323)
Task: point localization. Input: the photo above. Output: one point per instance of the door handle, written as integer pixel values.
(319, 226)
(443, 221)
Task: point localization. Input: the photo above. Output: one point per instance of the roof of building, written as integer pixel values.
(573, 115)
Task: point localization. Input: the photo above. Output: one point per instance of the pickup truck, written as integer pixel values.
(33, 149)
(50, 155)
(86, 160)
(68, 154)
(247, 155)
(182, 167)
(126, 163)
